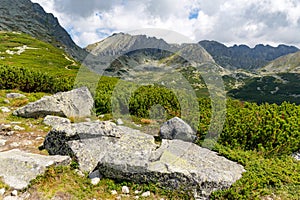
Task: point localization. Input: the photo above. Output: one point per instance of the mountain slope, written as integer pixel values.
(243, 56)
(27, 17)
(284, 64)
(22, 50)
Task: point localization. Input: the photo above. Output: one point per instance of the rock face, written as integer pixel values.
(75, 103)
(127, 154)
(55, 120)
(176, 128)
(27, 17)
(18, 168)
(86, 141)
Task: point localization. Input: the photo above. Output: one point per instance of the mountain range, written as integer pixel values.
(262, 74)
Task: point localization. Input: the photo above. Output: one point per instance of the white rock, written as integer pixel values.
(136, 197)
(146, 194)
(14, 193)
(137, 192)
(2, 191)
(95, 181)
(79, 172)
(15, 95)
(120, 122)
(113, 192)
(15, 123)
(6, 101)
(125, 190)
(2, 142)
(5, 109)
(118, 198)
(18, 128)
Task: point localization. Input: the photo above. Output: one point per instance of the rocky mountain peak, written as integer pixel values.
(27, 17)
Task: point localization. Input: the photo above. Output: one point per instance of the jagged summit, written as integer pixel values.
(120, 43)
(27, 17)
(244, 57)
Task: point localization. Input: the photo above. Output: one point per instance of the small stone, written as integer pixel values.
(2, 142)
(2, 191)
(15, 95)
(125, 190)
(146, 194)
(18, 128)
(79, 173)
(10, 133)
(118, 198)
(120, 122)
(113, 192)
(15, 144)
(101, 116)
(6, 101)
(137, 192)
(95, 181)
(5, 109)
(14, 193)
(136, 197)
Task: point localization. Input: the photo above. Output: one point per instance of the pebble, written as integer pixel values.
(2, 191)
(5, 109)
(2, 143)
(79, 173)
(15, 95)
(19, 128)
(146, 194)
(114, 192)
(136, 197)
(137, 192)
(14, 193)
(95, 181)
(6, 101)
(120, 122)
(125, 190)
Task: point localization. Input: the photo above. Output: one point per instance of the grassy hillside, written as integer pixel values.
(21, 50)
(260, 137)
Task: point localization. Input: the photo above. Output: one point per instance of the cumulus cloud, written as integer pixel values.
(233, 21)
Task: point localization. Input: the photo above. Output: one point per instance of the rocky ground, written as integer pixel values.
(102, 149)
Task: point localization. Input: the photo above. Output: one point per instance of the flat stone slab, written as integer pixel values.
(123, 153)
(18, 168)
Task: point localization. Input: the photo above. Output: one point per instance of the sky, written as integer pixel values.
(230, 22)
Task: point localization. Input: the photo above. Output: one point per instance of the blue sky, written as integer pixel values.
(231, 22)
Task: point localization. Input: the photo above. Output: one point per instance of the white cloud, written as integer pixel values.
(232, 21)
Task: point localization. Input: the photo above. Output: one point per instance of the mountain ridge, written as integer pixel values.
(244, 57)
(30, 18)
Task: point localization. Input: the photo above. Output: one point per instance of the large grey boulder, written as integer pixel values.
(86, 141)
(75, 103)
(18, 168)
(176, 128)
(123, 153)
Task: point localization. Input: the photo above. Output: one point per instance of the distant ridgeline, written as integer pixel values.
(244, 57)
